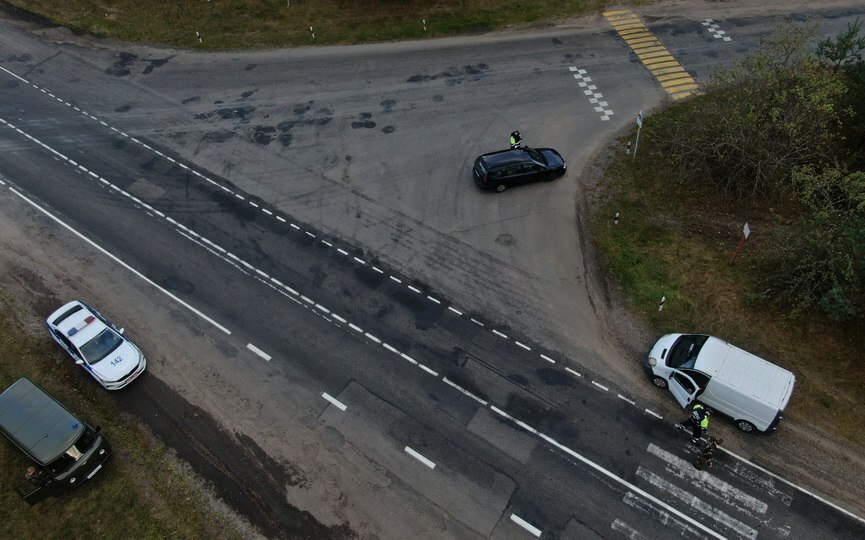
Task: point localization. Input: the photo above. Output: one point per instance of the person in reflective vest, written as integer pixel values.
(515, 139)
(699, 422)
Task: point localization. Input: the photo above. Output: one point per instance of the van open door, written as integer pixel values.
(683, 388)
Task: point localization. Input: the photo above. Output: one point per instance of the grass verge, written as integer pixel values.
(246, 24)
(676, 240)
(143, 491)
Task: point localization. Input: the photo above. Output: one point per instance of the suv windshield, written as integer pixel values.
(100, 346)
(684, 352)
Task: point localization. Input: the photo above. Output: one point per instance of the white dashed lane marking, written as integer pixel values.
(420, 458)
(336, 403)
(526, 525)
(258, 351)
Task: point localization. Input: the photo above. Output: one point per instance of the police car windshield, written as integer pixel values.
(684, 352)
(100, 346)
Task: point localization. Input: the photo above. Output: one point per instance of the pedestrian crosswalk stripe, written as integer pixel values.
(709, 483)
(645, 45)
(697, 504)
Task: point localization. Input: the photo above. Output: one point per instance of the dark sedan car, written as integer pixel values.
(498, 170)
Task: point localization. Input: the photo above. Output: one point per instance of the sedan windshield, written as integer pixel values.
(100, 346)
(537, 156)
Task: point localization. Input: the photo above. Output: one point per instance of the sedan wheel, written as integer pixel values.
(500, 188)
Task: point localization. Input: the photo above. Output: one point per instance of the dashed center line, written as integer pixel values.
(258, 351)
(420, 457)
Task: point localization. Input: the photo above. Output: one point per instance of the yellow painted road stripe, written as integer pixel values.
(653, 54)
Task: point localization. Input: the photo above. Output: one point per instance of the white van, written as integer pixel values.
(748, 389)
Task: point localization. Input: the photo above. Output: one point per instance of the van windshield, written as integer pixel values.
(683, 353)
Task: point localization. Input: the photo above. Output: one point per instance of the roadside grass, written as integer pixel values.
(142, 492)
(677, 240)
(247, 24)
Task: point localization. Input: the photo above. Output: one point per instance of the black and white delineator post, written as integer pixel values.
(639, 127)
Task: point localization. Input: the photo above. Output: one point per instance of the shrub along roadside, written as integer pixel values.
(143, 491)
(795, 294)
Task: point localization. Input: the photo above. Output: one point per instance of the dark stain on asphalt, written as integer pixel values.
(250, 67)
(553, 377)
(193, 99)
(387, 105)
(231, 205)
(519, 379)
(248, 93)
(219, 136)
(557, 42)
(368, 276)
(118, 142)
(364, 122)
(320, 117)
(174, 283)
(453, 75)
(263, 134)
(153, 64)
(438, 98)
(239, 112)
(123, 108)
(120, 67)
(26, 57)
(387, 129)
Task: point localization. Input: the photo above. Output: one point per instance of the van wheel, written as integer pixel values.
(500, 188)
(745, 426)
(660, 382)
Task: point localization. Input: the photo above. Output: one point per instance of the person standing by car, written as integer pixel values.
(699, 422)
(516, 139)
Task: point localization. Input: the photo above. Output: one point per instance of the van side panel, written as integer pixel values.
(737, 405)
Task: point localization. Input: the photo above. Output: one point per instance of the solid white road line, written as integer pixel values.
(121, 263)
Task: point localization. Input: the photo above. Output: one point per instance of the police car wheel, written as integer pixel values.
(745, 426)
(660, 382)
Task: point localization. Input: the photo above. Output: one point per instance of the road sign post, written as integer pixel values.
(639, 127)
(746, 232)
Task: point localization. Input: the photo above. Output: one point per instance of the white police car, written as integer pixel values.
(96, 345)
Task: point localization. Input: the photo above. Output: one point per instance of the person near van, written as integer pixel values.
(516, 139)
(699, 422)
(35, 476)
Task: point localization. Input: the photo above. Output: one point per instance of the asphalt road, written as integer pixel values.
(327, 286)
